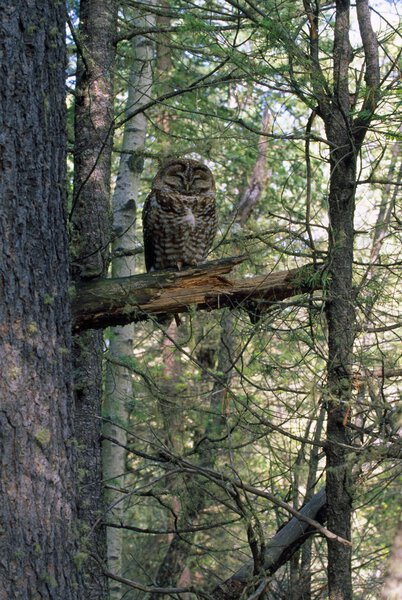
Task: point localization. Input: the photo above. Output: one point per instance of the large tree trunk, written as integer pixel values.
(90, 247)
(37, 501)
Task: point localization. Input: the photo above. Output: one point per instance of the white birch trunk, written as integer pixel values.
(118, 378)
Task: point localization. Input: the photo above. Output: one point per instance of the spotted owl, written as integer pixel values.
(179, 216)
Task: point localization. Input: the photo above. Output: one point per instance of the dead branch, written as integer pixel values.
(108, 302)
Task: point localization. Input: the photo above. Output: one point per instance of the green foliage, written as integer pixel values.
(258, 417)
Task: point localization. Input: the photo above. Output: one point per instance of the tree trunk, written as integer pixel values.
(90, 246)
(119, 388)
(340, 312)
(340, 318)
(37, 499)
(345, 136)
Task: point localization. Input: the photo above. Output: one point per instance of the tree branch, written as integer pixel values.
(372, 74)
(108, 302)
(279, 549)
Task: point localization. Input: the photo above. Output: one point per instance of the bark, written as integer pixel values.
(90, 213)
(90, 216)
(340, 318)
(105, 302)
(37, 493)
(345, 137)
(119, 387)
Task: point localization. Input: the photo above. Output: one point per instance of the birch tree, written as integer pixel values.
(119, 389)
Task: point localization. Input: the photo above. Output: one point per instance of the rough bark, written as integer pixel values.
(345, 136)
(340, 318)
(37, 494)
(119, 386)
(90, 212)
(90, 216)
(106, 302)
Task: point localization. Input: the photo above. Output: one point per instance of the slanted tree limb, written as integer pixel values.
(278, 551)
(107, 302)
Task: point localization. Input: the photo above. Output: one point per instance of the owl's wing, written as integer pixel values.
(147, 227)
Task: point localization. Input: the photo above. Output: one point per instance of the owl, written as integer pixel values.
(179, 216)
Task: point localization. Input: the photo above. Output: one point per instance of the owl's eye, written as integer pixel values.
(173, 180)
(201, 182)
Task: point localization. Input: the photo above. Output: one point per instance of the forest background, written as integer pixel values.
(144, 461)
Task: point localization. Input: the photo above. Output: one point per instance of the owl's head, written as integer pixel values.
(184, 176)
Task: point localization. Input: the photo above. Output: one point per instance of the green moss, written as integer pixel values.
(43, 437)
(80, 558)
(32, 328)
(49, 579)
(14, 372)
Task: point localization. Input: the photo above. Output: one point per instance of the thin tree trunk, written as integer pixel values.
(346, 137)
(306, 550)
(259, 176)
(119, 388)
(164, 65)
(340, 318)
(91, 230)
(37, 482)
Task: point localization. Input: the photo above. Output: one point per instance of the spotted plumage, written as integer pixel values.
(179, 216)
